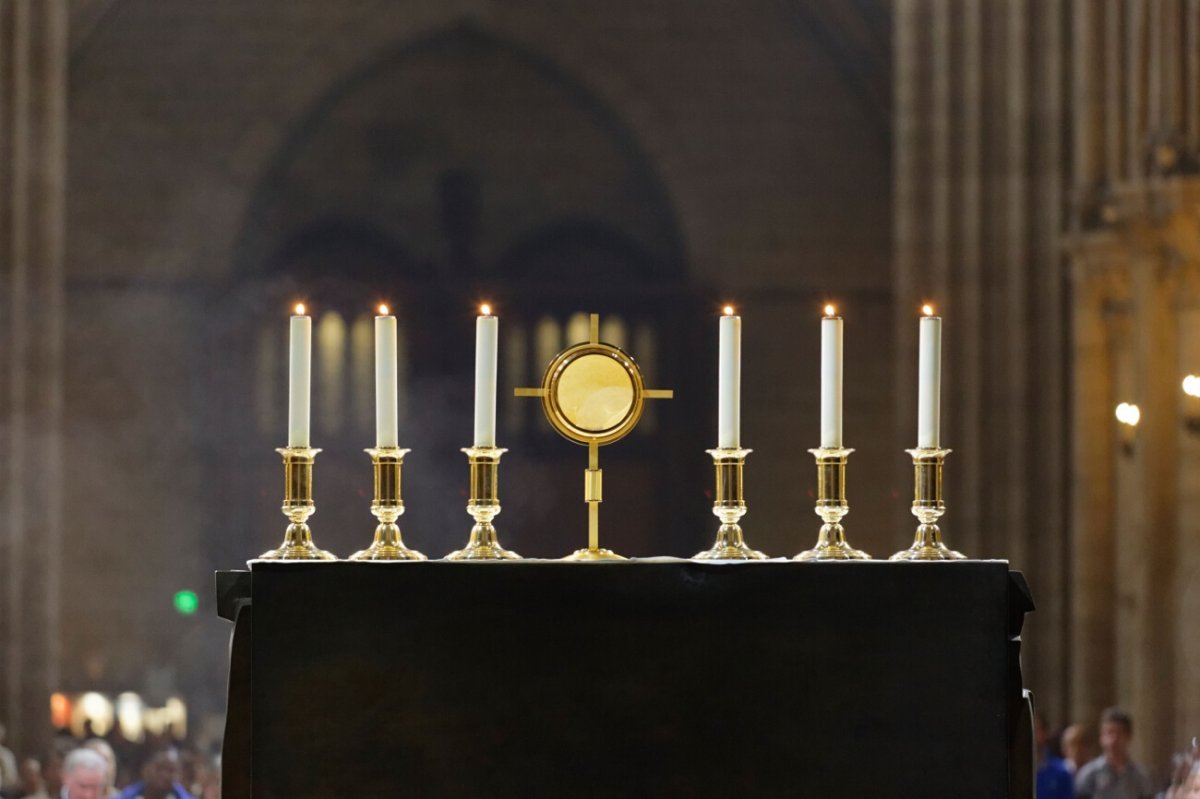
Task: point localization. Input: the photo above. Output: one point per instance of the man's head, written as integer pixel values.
(102, 748)
(1116, 731)
(30, 772)
(1192, 786)
(1076, 744)
(85, 774)
(1041, 735)
(161, 771)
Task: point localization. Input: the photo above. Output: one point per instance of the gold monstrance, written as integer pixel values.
(593, 394)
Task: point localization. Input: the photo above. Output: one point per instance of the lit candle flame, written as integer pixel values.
(728, 310)
(927, 309)
(485, 309)
(1191, 386)
(830, 310)
(383, 309)
(300, 310)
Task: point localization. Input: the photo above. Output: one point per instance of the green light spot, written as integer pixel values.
(186, 602)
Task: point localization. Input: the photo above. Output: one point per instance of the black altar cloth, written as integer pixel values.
(643, 679)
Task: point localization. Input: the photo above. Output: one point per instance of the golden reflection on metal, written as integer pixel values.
(832, 507)
(484, 505)
(593, 394)
(928, 507)
(729, 506)
(298, 505)
(387, 507)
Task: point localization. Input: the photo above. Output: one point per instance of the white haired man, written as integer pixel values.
(85, 774)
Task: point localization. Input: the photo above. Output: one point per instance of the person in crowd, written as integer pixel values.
(1114, 775)
(8, 766)
(32, 784)
(1053, 779)
(102, 748)
(1192, 790)
(84, 775)
(1181, 772)
(160, 778)
(1076, 745)
(52, 767)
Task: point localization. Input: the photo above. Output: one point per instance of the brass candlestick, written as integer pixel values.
(729, 507)
(484, 506)
(387, 506)
(298, 505)
(928, 507)
(832, 506)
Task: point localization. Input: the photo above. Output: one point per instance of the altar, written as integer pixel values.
(657, 677)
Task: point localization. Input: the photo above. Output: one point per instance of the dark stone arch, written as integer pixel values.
(465, 38)
(336, 236)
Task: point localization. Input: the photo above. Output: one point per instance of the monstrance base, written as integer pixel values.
(594, 554)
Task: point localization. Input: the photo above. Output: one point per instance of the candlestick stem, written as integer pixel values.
(387, 507)
(298, 505)
(832, 507)
(729, 506)
(928, 507)
(483, 506)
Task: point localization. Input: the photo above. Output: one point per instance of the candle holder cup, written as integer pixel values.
(298, 505)
(928, 507)
(832, 507)
(387, 507)
(729, 506)
(483, 506)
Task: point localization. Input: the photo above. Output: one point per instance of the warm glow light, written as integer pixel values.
(1191, 386)
(300, 310)
(94, 709)
(728, 310)
(60, 711)
(485, 310)
(129, 715)
(830, 310)
(1128, 413)
(927, 309)
(383, 309)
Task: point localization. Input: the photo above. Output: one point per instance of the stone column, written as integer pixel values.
(1153, 644)
(33, 36)
(1092, 529)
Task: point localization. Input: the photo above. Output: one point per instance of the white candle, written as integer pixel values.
(486, 328)
(386, 415)
(831, 379)
(729, 388)
(930, 376)
(299, 378)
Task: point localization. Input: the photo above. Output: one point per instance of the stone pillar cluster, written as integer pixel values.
(1046, 159)
(33, 91)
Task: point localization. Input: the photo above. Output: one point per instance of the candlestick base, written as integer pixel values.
(832, 507)
(297, 545)
(928, 507)
(387, 507)
(729, 507)
(600, 553)
(483, 506)
(297, 506)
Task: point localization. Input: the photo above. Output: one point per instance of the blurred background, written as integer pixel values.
(174, 175)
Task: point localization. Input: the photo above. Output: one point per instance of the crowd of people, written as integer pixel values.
(1070, 768)
(92, 769)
